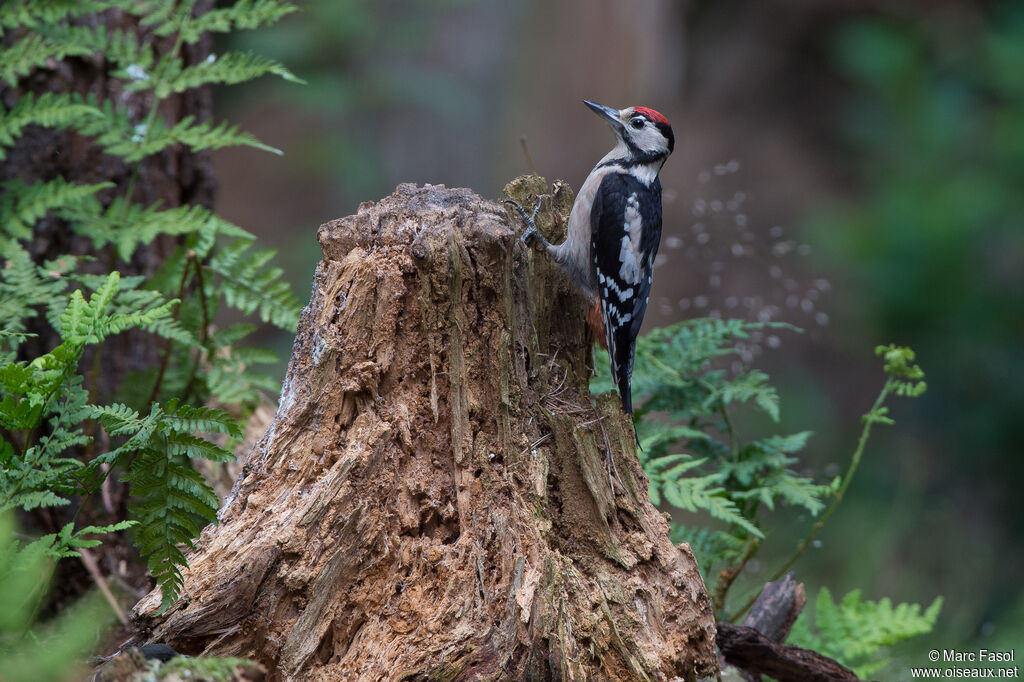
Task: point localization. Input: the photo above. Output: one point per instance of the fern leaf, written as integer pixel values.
(31, 52)
(172, 502)
(21, 205)
(142, 142)
(31, 13)
(69, 539)
(195, 447)
(24, 286)
(117, 419)
(49, 110)
(244, 14)
(126, 225)
(700, 493)
(76, 321)
(857, 633)
(189, 419)
(230, 68)
(749, 386)
(32, 500)
(249, 288)
(708, 545)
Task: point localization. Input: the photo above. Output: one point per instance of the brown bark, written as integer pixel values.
(432, 500)
(748, 649)
(777, 608)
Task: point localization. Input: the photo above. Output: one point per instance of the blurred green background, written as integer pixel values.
(856, 169)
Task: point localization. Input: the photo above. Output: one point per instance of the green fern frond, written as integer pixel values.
(118, 47)
(173, 503)
(856, 633)
(79, 321)
(21, 205)
(117, 323)
(700, 493)
(231, 380)
(232, 334)
(189, 419)
(194, 447)
(25, 286)
(113, 129)
(89, 322)
(117, 419)
(749, 386)
(37, 499)
(230, 68)
(708, 545)
(249, 287)
(55, 41)
(31, 52)
(244, 15)
(34, 14)
(68, 541)
(126, 224)
(173, 330)
(49, 110)
(139, 142)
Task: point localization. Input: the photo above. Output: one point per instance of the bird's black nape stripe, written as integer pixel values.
(666, 130)
(638, 159)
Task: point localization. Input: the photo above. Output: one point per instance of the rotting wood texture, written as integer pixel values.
(432, 500)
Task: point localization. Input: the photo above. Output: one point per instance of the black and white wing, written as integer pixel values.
(625, 233)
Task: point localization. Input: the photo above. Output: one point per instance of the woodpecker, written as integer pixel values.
(614, 232)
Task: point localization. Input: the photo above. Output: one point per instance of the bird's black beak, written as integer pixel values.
(611, 115)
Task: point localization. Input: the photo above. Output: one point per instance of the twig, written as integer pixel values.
(94, 571)
(108, 500)
(526, 154)
(749, 650)
(820, 523)
(535, 443)
(727, 576)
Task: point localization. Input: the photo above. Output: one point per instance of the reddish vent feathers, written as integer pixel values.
(596, 321)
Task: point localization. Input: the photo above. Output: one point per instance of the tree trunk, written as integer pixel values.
(438, 497)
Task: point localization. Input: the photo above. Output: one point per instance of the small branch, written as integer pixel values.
(526, 154)
(94, 571)
(108, 500)
(749, 650)
(820, 523)
(727, 576)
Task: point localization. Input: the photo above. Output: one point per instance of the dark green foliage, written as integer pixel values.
(932, 233)
(856, 633)
(691, 451)
(30, 652)
(696, 462)
(172, 501)
(50, 409)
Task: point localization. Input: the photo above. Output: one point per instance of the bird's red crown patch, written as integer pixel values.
(652, 114)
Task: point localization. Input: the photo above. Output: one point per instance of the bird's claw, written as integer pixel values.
(531, 231)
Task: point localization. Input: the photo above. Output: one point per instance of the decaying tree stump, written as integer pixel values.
(432, 500)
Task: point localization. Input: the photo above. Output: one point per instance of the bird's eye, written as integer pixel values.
(637, 122)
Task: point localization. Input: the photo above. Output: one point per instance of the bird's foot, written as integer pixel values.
(531, 231)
